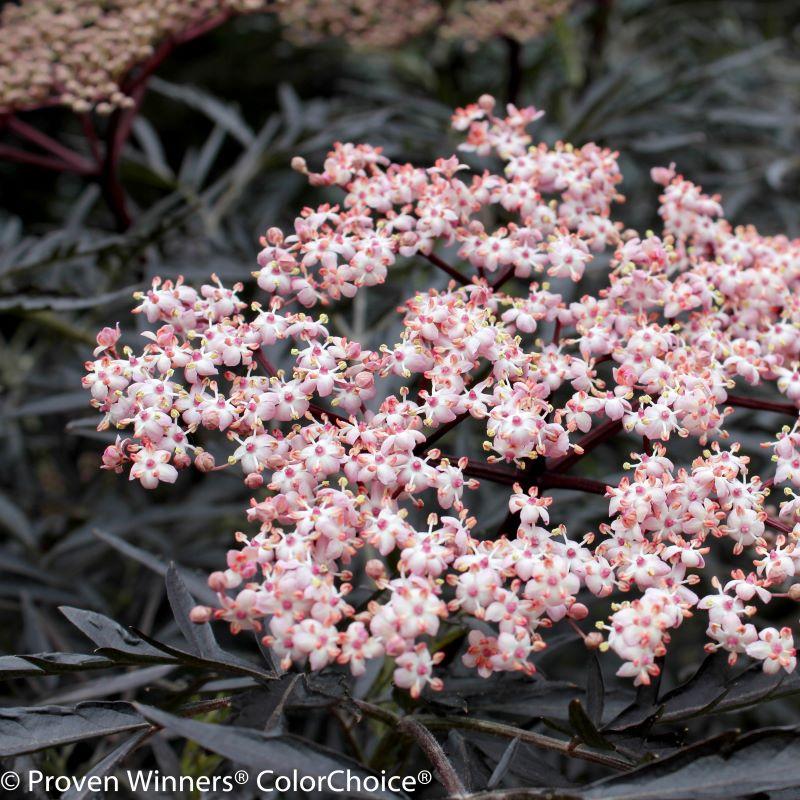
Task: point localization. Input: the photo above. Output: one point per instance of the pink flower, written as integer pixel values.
(107, 338)
(775, 649)
(151, 467)
(415, 670)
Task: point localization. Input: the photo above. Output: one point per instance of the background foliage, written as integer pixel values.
(713, 86)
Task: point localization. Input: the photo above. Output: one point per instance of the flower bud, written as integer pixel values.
(181, 459)
(217, 582)
(254, 480)
(108, 337)
(396, 646)
(375, 569)
(794, 592)
(204, 461)
(593, 640)
(113, 458)
(275, 236)
(299, 165)
(662, 175)
(200, 614)
(365, 380)
(211, 420)
(578, 611)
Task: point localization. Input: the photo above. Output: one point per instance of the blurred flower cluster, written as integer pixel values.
(682, 319)
(388, 23)
(75, 53)
(78, 53)
(520, 20)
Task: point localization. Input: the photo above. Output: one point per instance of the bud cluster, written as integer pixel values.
(76, 52)
(79, 53)
(389, 23)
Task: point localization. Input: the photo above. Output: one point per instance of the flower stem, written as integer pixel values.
(499, 729)
(75, 161)
(762, 405)
(433, 750)
(514, 67)
(445, 267)
(413, 727)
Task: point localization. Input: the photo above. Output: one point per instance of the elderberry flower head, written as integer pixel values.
(340, 459)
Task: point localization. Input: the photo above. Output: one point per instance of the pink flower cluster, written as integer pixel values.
(341, 462)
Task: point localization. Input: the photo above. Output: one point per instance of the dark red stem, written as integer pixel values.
(557, 480)
(90, 132)
(762, 405)
(777, 525)
(494, 473)
(445, 267)
(502, 279)
(439, 433)
(593, 439)
(75, 161)
(20, 156)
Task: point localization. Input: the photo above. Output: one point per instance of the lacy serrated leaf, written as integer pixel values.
(56, 663)
(755, 764)
(26, 730)
(105, 765)
(226, 662)
(584, 727)
(112, 638)
(262, 751)
(199, 635)
(595, 690)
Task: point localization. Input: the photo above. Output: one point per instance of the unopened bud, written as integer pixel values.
(204, 461)
(200, 614)
(299, 165)
(593, 640)
(376, 569)
(108, 337)
(181, 459)
(578, 611)
(396, 646)
(254, 480)
(217, 582)
(113, 458)
(365, 380)
(794, 592)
